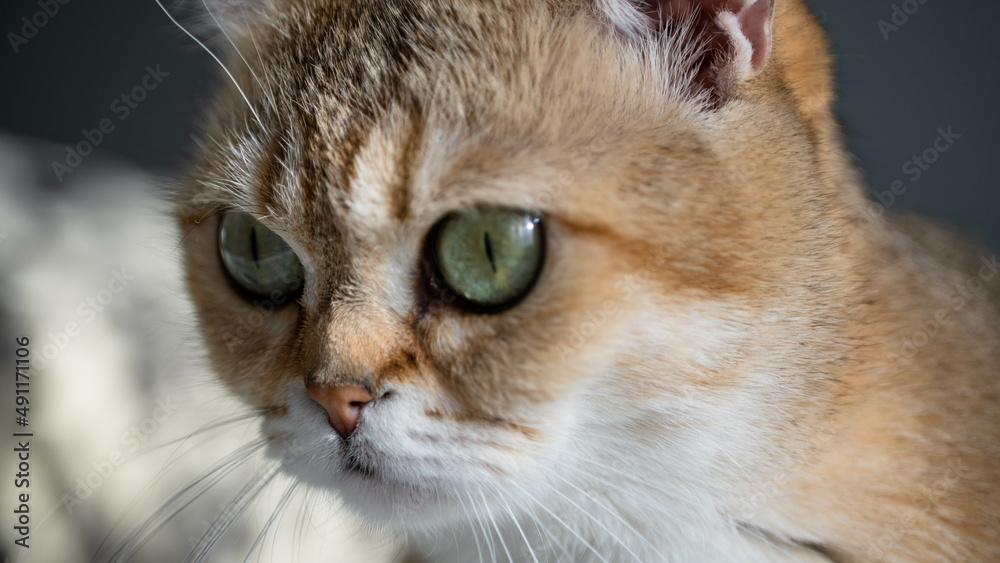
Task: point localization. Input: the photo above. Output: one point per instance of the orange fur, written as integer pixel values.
(745, 218)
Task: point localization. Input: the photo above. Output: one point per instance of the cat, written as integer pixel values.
(587, 280)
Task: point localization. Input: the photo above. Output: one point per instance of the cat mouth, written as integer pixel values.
(354, 466)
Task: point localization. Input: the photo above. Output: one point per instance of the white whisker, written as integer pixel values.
(564, 524)
(287, 496)
(153, 524)
(493, 521)
(472, 527)
(232, 512)
(486, 534)
(609, 511)
(518, 525)
(596, 521)
(213, 55)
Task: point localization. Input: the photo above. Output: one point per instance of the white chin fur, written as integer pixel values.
(419, 467)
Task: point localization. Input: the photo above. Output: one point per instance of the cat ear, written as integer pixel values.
(732, 37)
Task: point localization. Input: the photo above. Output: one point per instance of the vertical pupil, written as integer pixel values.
(253, 246)
(489, 251)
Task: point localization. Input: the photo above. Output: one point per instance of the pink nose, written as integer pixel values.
(343, 403)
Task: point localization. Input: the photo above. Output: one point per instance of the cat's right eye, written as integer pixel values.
(256, 258)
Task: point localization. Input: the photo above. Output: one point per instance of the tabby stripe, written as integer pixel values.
(400, 192)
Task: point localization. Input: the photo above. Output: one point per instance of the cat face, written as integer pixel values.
(500, 242)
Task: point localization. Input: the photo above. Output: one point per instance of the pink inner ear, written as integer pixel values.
(755, 23)
(752, 19)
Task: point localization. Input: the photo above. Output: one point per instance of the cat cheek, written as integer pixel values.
(250, 352)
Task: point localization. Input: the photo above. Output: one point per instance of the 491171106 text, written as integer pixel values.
(22, 389)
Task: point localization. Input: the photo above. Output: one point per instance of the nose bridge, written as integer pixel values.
(355, 345)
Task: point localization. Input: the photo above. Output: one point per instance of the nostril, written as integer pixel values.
(343, 403)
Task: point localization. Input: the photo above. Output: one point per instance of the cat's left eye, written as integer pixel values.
(489, 256)
(256, 258)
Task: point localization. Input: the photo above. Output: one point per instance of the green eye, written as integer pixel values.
(489, 256)
(257, 259)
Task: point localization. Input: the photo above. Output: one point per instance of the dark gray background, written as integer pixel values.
(938, 70)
